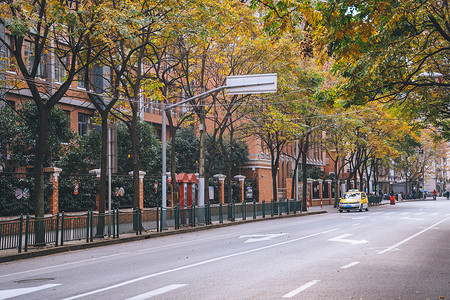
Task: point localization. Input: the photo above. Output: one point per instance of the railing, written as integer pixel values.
(25, 232)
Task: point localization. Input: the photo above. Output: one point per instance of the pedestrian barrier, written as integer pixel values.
(25, 232)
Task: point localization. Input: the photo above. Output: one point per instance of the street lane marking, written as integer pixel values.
(419, 214)
(342, 238)
(301, 289)
(82, 262)
(350, 265)
(260, 237)
(405, 213)
(63, 265)
(408, 218)
(6, 294)
(157, 292)
(411, 237)
(197, 264)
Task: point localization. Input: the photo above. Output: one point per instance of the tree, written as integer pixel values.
(149, 149)
(17, 136)
(336, 143)
(43, 31)
(394, 53)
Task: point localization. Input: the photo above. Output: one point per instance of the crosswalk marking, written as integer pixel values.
(157, 292)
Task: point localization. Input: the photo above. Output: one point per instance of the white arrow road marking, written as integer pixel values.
(407, 218)
(342, 238)
(300, 289)
(260, 237)
(350, 265)
(6, 294)
(157, 292)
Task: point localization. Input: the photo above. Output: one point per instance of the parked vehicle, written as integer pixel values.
(354, 200)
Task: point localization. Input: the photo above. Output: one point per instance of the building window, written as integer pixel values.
(29, 57)
(60, 70)
(84, 124)
(5, 51)
(81, 83)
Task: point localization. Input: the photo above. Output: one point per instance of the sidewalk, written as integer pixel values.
(12, 254)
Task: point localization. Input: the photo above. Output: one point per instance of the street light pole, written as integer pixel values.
(246, 84)
(164, 174)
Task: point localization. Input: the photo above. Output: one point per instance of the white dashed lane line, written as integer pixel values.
(350, 265)
(157, 292)
(300, 289)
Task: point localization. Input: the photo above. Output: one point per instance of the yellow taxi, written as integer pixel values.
(354, 200)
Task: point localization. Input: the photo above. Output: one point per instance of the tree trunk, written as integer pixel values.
(336, 183)
(102, 183)
(136, 168)
(39, 156)
(304, 150)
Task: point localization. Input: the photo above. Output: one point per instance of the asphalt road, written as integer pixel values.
(397, 251)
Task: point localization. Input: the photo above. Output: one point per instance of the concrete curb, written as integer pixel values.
(132, 238)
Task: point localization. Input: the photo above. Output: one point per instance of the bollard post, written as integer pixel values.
(220, 213)
(254, 209)
(244, 215)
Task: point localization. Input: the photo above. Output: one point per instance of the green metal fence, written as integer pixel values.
(26, 232)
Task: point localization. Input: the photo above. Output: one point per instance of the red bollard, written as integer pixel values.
(392, 198)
